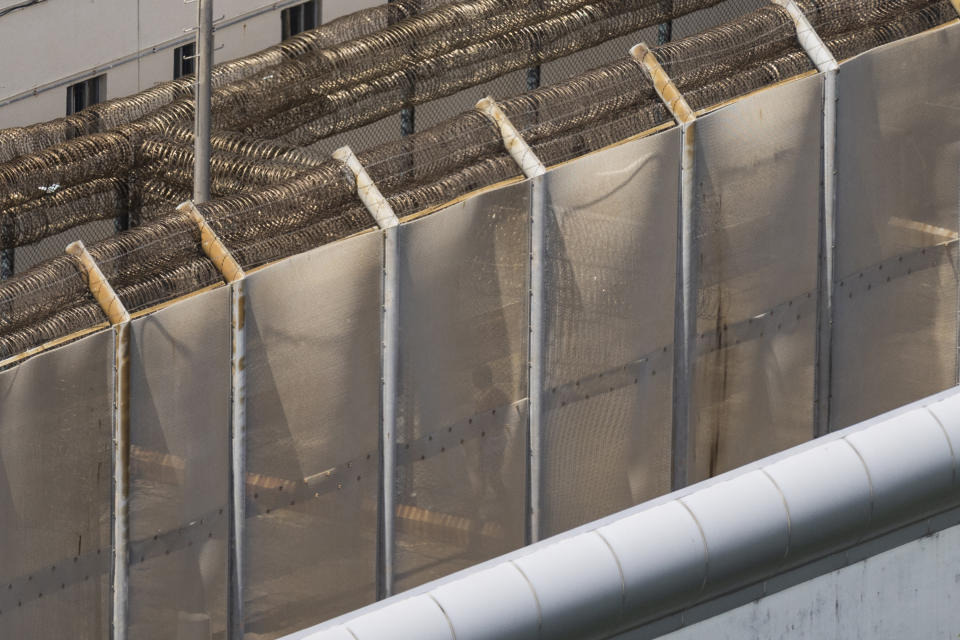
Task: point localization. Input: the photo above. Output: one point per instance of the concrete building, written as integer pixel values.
(59, 55)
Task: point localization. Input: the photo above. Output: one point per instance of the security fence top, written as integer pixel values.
(809, 39)
(518, 148)
(668, 92)
(212, 246)
(370, 195)
(98, 284)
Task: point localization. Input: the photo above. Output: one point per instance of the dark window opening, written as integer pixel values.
(86, 93)
(300, 18)
(184, 60)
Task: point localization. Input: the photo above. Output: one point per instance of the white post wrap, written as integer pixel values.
(516, 146)
(808, 37)
(386, 218)
(369, 194)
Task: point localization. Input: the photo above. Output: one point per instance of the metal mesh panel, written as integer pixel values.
(611, 225)
(898, 148)
(313, 381)
(461, 411)
(179, 471)
(757, 211)
(32, 255)
(55, 492)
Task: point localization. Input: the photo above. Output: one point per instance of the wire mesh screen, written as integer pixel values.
(609, 282)
(757, 209)
(55, 492)
(180, 469)
(699, 21)
(898, 148)
(313, 379)
(31, 255)
(461, 411)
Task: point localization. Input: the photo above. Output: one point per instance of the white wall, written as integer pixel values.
(48, 46)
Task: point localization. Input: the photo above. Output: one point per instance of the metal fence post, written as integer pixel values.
(386, 219)
(533, 169)
(685, 316)
(117, 314)
(821, 56)
(233, 274)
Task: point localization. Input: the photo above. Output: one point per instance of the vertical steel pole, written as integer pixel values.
(828, 246)
(383, 213)
(685, 317)
(218, 253)
(534, 170)
(535, 382)
(823, 58)
(6, 255)
(685, 310)
(6, 264)
(201, 176)
(238, 458)
(390, 360)
(665, 29)
(117, 314)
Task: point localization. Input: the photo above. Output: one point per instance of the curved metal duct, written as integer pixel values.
(713, 538)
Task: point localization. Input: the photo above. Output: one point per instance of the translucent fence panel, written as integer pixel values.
(609, 282)
(757, 208)
(898, 147)
(179, 469)
(462, 414)
(56, 492)
(313, 379)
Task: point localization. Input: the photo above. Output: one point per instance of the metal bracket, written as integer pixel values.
(518, 148)
(809, 39)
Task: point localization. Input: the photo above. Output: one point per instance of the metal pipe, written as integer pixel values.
(383, 213)
(201, 177)
(117, 313)
(685, 315)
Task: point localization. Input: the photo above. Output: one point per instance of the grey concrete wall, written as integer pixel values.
(911, 591)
